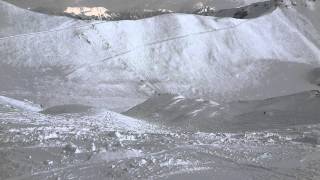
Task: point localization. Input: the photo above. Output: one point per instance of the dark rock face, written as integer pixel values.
(247, 12)
(240, 14)
(314, 76)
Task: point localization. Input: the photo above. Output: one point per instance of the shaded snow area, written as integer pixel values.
(206, 116)
(210, 90)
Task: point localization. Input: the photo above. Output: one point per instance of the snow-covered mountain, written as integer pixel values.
(128, 61)
(57, 7)
(225, 89)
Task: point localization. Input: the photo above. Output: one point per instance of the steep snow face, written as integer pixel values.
(109, 63)
(308, 12)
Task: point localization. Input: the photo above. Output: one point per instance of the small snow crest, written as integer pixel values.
(23, 105)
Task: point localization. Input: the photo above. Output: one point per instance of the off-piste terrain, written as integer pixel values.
(160, 90)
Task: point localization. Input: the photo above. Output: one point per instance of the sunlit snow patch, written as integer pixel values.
(95, 12)
(23, 105)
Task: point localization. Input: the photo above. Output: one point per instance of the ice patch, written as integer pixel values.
(116, 155)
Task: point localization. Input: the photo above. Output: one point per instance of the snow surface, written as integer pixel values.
(27, 106)
(205, 116)
(129, 61)
(97, 146)
(83, 72)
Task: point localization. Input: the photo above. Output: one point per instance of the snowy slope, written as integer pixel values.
(79, 72)
(122, 63)
(107, 145)
(27, 106)
(16, 21)
(240, 116)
